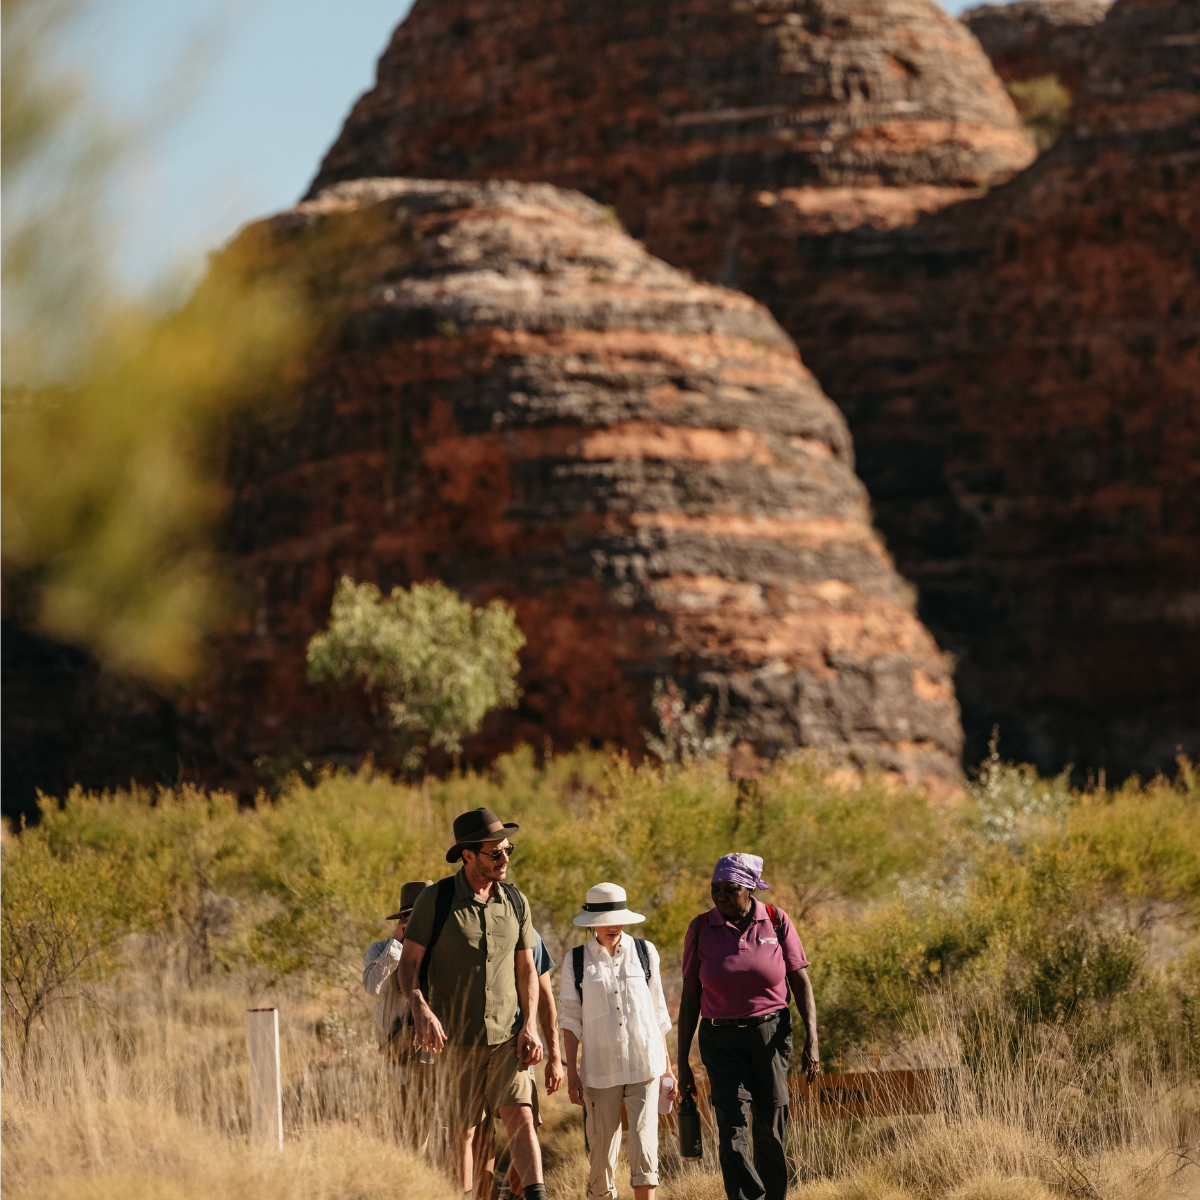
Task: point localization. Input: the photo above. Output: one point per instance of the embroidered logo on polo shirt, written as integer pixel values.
(768, 941)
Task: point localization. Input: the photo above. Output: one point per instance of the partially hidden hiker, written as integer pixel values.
(612, 1003)
(393, 1031)
(467, 971)
(739, 959)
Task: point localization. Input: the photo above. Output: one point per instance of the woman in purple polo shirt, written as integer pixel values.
(738, 964)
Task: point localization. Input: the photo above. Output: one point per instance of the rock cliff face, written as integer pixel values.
(680, 113)
(1027, 368)
(1017, 370)
(1035, 38)
(524, 403)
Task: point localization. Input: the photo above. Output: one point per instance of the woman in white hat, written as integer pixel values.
(612, 1002)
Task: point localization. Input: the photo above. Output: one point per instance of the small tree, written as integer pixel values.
(59, 925)
(440, 664)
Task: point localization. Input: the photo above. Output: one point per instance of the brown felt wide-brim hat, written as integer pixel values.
(408, 897)
(476, 827)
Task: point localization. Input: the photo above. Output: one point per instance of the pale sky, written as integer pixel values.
(250, 94)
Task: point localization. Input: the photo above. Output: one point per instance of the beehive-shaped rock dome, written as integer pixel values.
(678, 112)
(519, 400)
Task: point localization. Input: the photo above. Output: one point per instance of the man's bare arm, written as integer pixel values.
(529, 1045)
(428, 1029)
(689, 1018)
(548, 1019)
(806, 1002)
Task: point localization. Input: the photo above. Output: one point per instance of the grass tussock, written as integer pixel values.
(1038, 942)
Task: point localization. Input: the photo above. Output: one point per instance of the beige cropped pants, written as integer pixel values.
(603, 1115)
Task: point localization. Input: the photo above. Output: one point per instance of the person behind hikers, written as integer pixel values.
(612, 1002)
(466, 968)
(739, 959)
(381, 980)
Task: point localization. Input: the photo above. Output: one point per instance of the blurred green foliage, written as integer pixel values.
(1058, 924)
(440, 664)
(113, 404)
(1043, 105)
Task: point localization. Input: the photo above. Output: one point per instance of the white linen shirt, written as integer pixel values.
(621, 1019)
(381, 979)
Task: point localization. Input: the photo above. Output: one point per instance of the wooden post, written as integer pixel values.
(266, 1094)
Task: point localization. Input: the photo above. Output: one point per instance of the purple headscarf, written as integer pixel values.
(745, 869)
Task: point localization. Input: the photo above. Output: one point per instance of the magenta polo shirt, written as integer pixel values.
(742, 974)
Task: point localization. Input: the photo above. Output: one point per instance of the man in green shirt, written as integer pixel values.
(466, 969)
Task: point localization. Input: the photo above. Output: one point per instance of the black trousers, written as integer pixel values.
(748, 1072)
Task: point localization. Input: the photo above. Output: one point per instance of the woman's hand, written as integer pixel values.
(686, 1080)
(574, 1088)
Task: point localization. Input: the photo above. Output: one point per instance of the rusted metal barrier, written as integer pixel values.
(868, 1094)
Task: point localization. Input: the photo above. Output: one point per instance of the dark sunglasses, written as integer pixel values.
(496, 855)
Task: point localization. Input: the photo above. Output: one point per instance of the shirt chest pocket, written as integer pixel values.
(501, 936)
(598, 994)
(633, 974)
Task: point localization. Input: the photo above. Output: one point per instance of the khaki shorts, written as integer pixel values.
(474, 1080)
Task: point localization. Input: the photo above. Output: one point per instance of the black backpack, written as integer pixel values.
(441, 913)
(577, 963)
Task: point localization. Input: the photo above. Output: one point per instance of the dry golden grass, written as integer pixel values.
(1043, 977)
(144, 1094)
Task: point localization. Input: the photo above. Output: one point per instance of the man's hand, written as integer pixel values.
(554, 1074)
(529, 1046)
(574, 1088)
(427, 1029)
(428, 1033)
(810, 1064)
(687, 1081)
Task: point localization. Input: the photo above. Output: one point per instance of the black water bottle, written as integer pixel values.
(690, 1145)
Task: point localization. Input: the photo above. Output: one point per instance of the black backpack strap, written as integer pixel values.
(441, 913)
(644, 955)
(516, 900)
(577, 967)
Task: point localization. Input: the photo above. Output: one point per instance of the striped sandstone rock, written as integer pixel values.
(521, 401)
(684, 113)
(1014, 367)
(1021, 375)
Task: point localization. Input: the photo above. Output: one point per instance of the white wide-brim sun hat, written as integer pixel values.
(607, 905)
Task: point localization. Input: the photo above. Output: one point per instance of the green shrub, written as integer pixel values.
(896, 899)
(440, 664)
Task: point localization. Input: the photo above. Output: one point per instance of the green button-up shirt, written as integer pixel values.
(472, 966)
